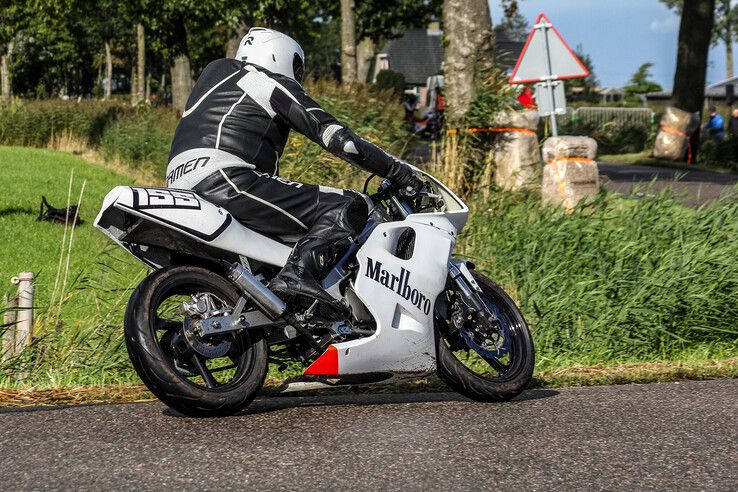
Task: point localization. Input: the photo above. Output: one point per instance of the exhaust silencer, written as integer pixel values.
(263, 297)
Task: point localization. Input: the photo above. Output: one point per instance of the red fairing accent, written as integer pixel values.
(326, 364)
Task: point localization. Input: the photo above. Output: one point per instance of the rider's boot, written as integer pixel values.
(306, 266)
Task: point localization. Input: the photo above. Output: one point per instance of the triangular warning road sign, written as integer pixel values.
(533, 64)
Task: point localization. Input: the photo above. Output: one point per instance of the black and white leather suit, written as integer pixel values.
(228, 144)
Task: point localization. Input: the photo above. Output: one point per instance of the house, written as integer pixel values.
(418, 55)
(715, 94)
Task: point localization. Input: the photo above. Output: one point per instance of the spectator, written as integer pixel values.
(440, 102)
(715, 126)
(526, 99)
(410, 104)
(733, 123)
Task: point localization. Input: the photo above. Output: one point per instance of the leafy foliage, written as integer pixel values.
(583, 89)
(390, 80)
(641, 83)
(514, 24)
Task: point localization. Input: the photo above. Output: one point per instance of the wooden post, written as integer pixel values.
(9, 318)
(24, 326)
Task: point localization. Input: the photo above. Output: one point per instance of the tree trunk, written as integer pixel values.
(364, 57)
(6, 86)
(469, 38)
(695, 31)
(729, 89)
(181, 82)
(348, 41)
(134, 84)
(141, 63)
(237, 33)
(108, 72)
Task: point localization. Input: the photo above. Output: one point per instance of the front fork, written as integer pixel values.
(468, 289)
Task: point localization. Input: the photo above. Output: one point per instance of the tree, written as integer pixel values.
(379, 20)
(695, 32)
(725, 25)
(514, 24)
(13, 17)
(641, 83)
(468, 54)
(348, 41)
(583, 88)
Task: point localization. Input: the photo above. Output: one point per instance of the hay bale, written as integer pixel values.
(672, 140)
(567, 182)
(517, 119)
(516, 154)
(569, 146)
(571, 173)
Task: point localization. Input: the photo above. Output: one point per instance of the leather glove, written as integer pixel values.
(411, 187)
(406, 182)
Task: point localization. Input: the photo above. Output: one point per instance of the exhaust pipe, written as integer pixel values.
(251, 286)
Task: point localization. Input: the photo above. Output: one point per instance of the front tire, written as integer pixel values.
(165, 360)
(486, 379)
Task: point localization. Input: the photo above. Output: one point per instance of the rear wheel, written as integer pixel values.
(486, 362)
(213, 376)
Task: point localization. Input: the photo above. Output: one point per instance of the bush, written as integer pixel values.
(36, 124)
(390, 80)
(612, 138)
(141, 139)
(719, 153)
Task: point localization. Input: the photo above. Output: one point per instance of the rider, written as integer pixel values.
(227, 147)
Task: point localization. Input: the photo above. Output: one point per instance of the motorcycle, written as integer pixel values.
(202, 328)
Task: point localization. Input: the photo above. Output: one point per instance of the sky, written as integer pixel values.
(619, 35)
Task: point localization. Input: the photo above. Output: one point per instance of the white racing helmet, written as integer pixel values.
(274, 51)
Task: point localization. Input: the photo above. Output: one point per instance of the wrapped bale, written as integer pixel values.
(570, 174)
(516, 154)
(672, 140)
(568, 146)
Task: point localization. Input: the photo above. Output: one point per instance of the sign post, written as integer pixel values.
(546, 60)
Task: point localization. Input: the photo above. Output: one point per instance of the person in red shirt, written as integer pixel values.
(440, 101)
(526, 99)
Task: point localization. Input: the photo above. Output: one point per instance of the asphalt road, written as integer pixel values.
(693, 187)
(659, 436)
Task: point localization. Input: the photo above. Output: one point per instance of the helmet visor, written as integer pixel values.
(298, 67)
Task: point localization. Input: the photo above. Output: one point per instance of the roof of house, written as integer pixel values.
(715, 91)
(418, 54)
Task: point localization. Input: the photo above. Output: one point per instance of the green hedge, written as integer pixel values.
(141, 137)
(37, 123)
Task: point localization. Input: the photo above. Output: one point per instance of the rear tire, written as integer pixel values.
(505, 385)
(155, 364)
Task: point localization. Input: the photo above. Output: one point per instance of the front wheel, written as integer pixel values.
(211, 376)
(486, 363)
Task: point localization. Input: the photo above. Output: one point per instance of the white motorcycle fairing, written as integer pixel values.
(400, 294)
(184, 213)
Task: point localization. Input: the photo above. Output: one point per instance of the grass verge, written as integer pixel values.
(649, 372)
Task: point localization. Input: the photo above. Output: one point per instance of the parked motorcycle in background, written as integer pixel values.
(202, 327)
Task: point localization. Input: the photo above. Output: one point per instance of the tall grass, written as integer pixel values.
(620, 281)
